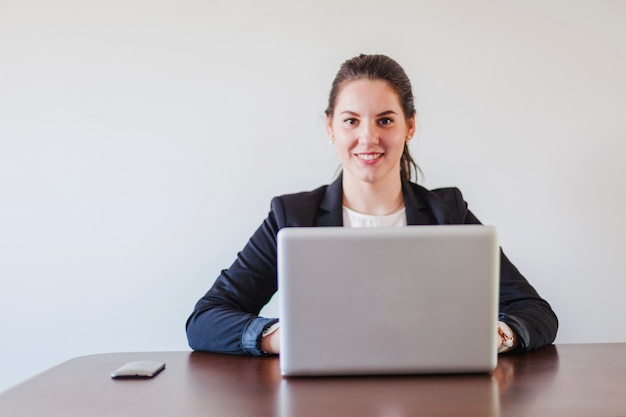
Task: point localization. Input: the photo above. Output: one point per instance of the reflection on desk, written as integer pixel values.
(389, 396)
(566, 380)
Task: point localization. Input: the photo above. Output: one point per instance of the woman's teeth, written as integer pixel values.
(369, 156)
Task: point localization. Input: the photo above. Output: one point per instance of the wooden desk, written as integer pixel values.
(565, 380)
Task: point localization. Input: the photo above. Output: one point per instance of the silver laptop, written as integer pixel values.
(406, 300)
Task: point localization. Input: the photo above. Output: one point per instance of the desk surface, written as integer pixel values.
(565, 380)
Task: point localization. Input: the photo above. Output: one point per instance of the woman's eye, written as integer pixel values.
(385, 121)
(350, 121)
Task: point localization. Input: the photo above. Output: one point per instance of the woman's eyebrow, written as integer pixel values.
(385, 113)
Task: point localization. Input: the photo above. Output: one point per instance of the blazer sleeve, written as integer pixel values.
(226, 319)
(521, 307)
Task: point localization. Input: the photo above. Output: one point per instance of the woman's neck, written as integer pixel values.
(376, 199)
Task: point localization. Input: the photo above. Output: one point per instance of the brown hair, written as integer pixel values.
(379, 67)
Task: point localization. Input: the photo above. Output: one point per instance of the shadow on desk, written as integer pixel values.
(521, 378)
(260, 389)
(233, 385)
(514, 383)
(389, 396)
(541, 364)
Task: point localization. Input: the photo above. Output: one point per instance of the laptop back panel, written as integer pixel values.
(417, 299)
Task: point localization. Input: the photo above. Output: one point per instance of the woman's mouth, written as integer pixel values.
(369, 157)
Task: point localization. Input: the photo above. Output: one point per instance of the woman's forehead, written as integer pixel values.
(366, 94)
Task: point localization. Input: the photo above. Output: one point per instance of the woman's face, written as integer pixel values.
(369, 129)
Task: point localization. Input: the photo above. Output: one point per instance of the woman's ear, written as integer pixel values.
(410, 127)
(329, 128)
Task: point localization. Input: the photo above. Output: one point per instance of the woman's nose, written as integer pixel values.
(369, 135)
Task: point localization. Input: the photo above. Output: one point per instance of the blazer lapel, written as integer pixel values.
(417, 209)
(331, 213)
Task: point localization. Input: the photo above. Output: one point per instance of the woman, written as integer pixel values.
(371, 119)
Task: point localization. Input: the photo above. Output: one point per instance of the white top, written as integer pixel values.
(352, 218)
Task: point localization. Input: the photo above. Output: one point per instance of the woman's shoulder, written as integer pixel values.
(446, 204)
(443, 194)
(302, 197)
(301, 208)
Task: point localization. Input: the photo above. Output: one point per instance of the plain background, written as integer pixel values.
(141, 142)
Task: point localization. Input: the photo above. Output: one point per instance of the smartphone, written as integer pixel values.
(138, 369)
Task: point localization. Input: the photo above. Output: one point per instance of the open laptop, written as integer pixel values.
(406, 300)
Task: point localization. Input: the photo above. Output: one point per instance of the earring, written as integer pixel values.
(331, 140)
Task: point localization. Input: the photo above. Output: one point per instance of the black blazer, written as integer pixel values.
(226, 318)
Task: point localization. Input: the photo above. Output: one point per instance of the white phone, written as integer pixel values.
(138, 369)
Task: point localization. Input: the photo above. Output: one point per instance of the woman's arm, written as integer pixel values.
(529, 316)
(226, 319)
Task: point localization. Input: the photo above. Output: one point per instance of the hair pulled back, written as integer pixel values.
(379, 67)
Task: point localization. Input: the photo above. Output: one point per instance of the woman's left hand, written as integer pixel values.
(506, 338)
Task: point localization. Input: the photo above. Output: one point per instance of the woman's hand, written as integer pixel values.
(506, 338)
(271, 342)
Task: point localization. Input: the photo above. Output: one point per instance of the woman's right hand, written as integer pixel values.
(271, 342)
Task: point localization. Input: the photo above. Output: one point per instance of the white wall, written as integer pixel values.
(141, 142)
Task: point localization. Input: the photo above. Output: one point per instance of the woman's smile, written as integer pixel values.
(369, 158)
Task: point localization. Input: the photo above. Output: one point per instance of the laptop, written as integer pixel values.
(372, 301)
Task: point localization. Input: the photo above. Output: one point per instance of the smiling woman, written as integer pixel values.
(370, 118)
(370, 132)
(386, 70)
